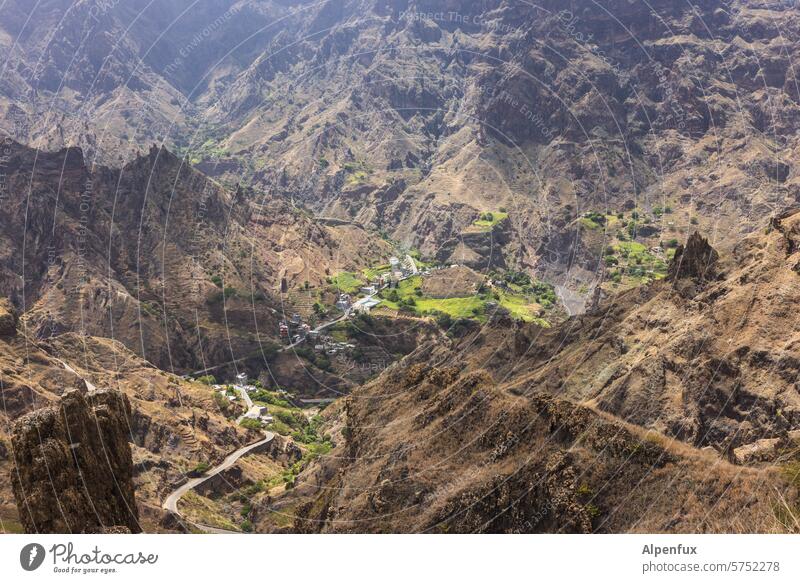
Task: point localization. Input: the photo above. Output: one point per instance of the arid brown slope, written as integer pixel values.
(173, 425)
(435, 450)
(156, 255)
(635, 417)
(414, 119)
(709, 362)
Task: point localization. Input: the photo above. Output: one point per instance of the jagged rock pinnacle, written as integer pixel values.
(73, 467)
(695, 260)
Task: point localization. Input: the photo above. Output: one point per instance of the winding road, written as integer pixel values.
(171, 502)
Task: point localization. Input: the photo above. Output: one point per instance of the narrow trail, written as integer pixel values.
(171, 502)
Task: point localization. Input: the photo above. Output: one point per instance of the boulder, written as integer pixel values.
(73, 467)
(8, 318)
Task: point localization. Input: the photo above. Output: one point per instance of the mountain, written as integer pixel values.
(412, 118)
(581, 219)
(179, 269)
(669, 408)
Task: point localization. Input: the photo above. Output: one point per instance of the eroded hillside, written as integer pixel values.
(669, 408)
(158, 256)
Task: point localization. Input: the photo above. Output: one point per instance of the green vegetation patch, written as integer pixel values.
(357, 173)
(595, 220)
(372, 272)
(455, 307)
(489, 219)
(523, 299)
(347, 282)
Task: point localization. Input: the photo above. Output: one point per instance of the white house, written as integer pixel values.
(364, 305)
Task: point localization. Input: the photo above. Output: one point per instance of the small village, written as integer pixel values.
(403, 287)
(294, 331)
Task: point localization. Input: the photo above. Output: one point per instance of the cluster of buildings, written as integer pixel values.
(241, 383)
(294, 330)
(330, 347)
(346, 304)
(398, 271)
(365, 304)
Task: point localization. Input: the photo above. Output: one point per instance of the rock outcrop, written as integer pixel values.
(427, 449)
(8, 319)
(73, 471)
(696, 260)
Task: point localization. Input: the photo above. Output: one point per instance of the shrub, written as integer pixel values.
(280, 427)
(252, 424)
(207, 379)
(263, 396)
(443, 320)
(199, 469)
(216, 280)
(518, 278)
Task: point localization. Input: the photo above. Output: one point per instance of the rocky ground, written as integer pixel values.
(415, 121)
(173, 426)
(669, 408)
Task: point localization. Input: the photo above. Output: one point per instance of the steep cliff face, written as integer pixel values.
(156, 255)
(73, 471)
(8, 318)
(638, 416)
(696, 260)
(413, 118)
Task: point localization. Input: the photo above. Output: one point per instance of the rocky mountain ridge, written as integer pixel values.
(412, 119)
(179, 269)
(671, 408)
